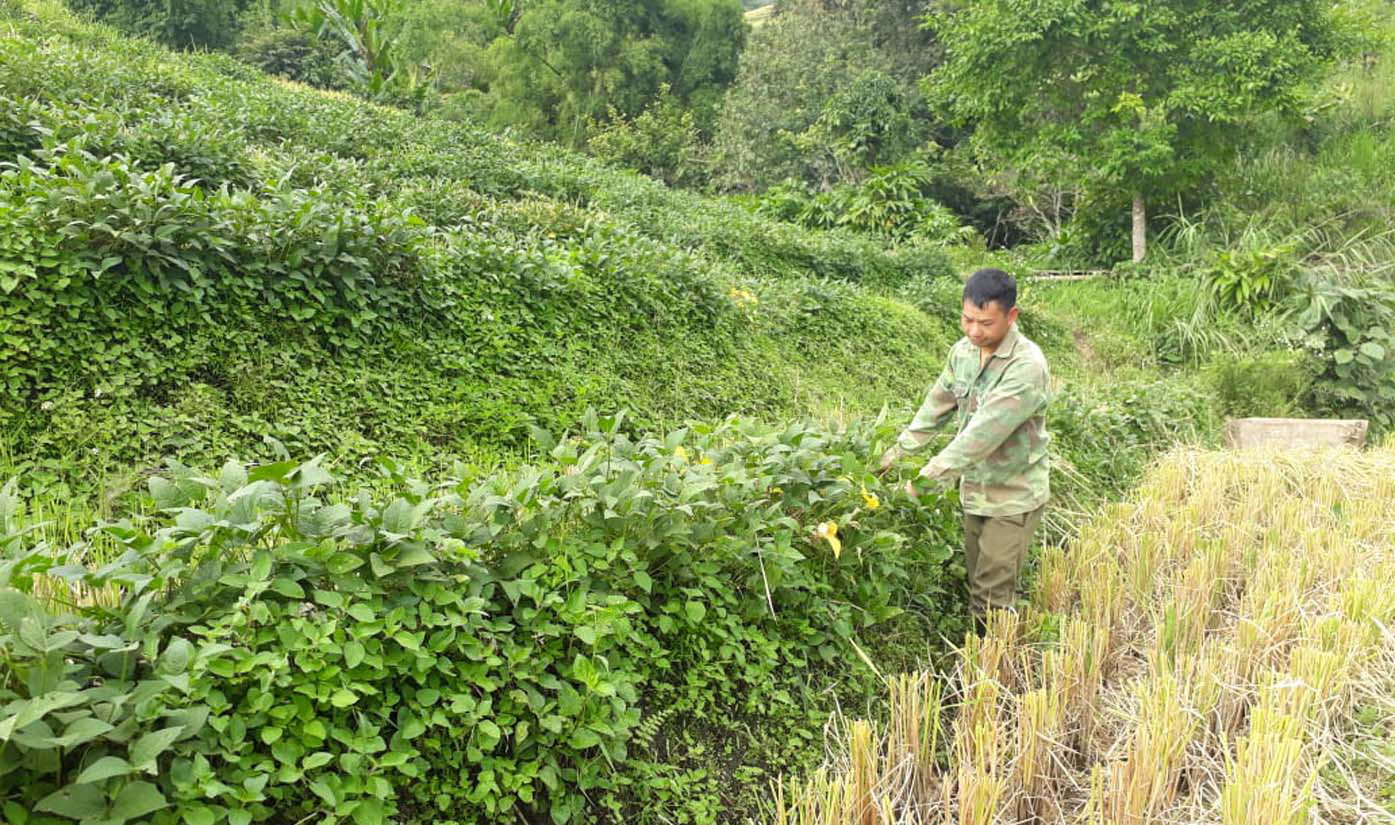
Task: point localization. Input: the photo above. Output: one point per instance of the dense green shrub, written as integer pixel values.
(1273, 384)
(295, 55)
(196, 255)
(185, 24)
(1348, 325)
(890, 203)
(263, 646)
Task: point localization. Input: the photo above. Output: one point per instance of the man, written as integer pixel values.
(996, 382)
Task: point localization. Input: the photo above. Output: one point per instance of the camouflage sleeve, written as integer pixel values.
(939, 404)
(1018, 396)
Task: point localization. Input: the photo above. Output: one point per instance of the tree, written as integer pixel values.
(1134, 100)
(569, 63)
(816, 101)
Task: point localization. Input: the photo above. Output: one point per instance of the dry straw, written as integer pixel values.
(1214, 635)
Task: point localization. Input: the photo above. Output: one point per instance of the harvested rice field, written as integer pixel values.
(1219, 649)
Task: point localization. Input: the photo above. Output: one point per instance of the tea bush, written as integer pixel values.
(180, 226)
(268, 645)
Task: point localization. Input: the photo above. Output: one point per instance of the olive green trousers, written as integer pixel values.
(994, 550)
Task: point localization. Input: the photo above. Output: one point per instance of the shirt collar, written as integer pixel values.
(1008, 344)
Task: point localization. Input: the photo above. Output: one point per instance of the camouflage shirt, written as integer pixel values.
(999, 453)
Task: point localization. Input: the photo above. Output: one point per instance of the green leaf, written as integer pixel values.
(354, 654)
(369, 812)
(232, 476)
(318, 759)
(696, 611)
(261, 565)
(587, 634)
(81, 732)
(199, 815)
(362, 612)
(149, 747)
(413, 555)
(136, 800)
(644, 581)
(75, 802)
(341, 563)
(1372, 350)
(239, 817)
(288, 588)
(343, 697)
(490, 733)
(271, 735)
(1343, 356)
(583, 738)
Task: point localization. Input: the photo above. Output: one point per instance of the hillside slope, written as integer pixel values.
(196, 255)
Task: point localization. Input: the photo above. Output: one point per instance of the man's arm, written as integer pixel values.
(938, 405)
(1018, 396)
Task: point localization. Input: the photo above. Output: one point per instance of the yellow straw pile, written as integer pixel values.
(1212, 637)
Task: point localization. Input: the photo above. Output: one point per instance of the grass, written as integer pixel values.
(1221, 648)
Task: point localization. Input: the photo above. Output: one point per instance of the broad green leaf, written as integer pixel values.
(354, 653)
(148, 748)
(136, 800)
(341, 563)
(343, 697)
(75, 802)
(104, 768)
(81, 731)
(1372, 350)
(583, 738)
(288, 588)
(199, 815)
(362, 612)
(413, 555)
(369, 812)
(232, 476)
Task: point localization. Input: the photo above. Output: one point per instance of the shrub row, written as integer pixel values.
(267, 645)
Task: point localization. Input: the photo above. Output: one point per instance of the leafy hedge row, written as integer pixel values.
(266, 646)
(191, 251)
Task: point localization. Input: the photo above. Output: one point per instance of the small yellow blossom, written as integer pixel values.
(680, 453)
(707, 459)
(828, 531)
(870, 500)
(743, 296)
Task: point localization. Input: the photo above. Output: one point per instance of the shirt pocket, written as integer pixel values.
(964, 402)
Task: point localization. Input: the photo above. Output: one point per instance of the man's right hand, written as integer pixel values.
(889, 459)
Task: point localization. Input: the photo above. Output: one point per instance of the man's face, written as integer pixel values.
(985, 326)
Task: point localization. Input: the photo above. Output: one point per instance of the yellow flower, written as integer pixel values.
(680, 453)
(870, 500)
(828, 531)
(743, 296)
(707, 459)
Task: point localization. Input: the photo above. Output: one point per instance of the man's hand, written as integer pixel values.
(889, 459)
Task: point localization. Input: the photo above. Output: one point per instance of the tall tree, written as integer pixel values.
(567, 63)
(1135, 100)
(817, 99)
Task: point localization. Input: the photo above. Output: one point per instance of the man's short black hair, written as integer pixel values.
(991, 285)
